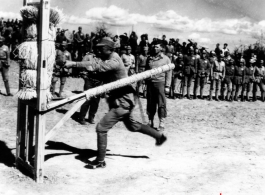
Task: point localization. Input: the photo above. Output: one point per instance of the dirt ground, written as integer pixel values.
(212, 148)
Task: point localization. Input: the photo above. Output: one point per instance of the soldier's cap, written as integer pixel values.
(145, 48)
(212, 52)
(2, 39)
(106, 41)
(64, 43)
(204, 52)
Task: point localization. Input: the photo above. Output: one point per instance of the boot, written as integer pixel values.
(188, 93)
(151, 123)
(195, 93)
(242, 96)
(7, 89)
(147, 130)
(236, 96)
(102, 147)
(201, 93)
(161, 126)
(211, 95)
(216, 96)
(254, 96)
(228, 96)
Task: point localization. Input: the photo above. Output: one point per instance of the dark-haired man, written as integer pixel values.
(157, 86)
(120, 101)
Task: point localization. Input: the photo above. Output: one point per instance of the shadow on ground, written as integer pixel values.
(82, 154)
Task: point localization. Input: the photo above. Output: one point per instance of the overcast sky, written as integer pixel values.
(206, 21)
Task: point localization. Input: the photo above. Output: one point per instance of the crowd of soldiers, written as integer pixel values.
(231, 75)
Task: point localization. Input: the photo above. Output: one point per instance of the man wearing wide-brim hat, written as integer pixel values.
(121, 101)
(4, 64)
(59, 72)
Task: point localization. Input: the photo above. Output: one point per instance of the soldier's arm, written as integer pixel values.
(69, 56)
(95, 65)
(147, 66)
(223, 72)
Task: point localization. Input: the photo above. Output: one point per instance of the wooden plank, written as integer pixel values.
(113, 85)
(41, 89)
(64, 119)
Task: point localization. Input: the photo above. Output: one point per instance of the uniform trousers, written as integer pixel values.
(156, 98)
(91, 104)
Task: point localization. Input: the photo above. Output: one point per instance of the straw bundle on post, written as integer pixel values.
(28, 51)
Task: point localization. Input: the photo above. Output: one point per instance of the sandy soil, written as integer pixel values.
(212, 148)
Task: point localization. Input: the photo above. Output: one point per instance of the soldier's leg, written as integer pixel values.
(255, 87)
(217, 87)
(196, 86)
(188, 86)
(151, 103)
(223, 89)
(105, 124)
(63, 81)
(134, 126)
(184, 85)
(243, 90)
(175, 84)
(202, 84)
(6, 80)
(229, 91)
(83, 110)
(249, 89)
(162, 108)
(237, 91)
(54, 81)
(94, 103)
(211, 89)
(262, 91)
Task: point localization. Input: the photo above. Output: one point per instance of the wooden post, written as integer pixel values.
(21, 117)
(41, 90)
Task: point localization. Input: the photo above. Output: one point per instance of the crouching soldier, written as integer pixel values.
(203, 71)
(227, 84)
(238, 79)
(4, 64)
(248, 80)
(259, 74)
(59, 72)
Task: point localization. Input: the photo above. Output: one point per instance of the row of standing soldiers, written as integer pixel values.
(227, 76)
